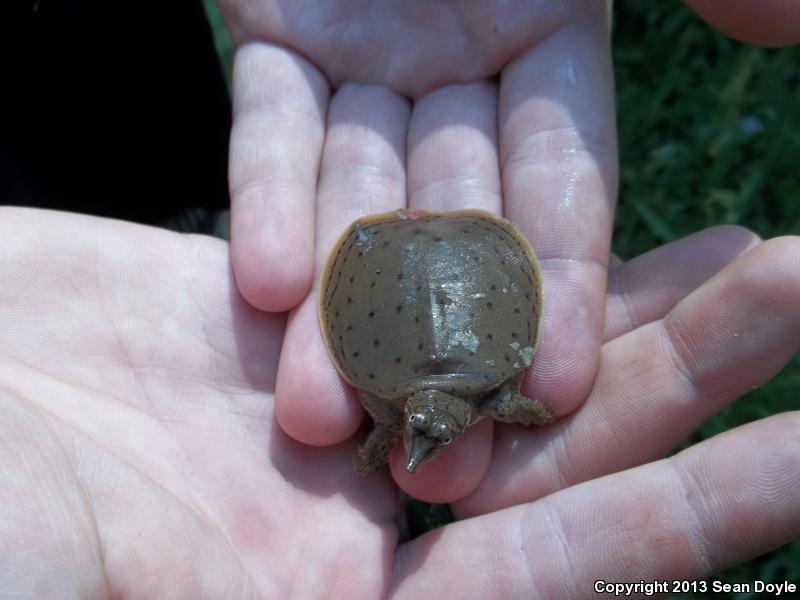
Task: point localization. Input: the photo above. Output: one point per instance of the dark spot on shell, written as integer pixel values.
(486, 376)
(355, 354)
(349, 327)
(475, 258)
(349, 300)
(376, 343)
(416, 370)
(472, 353)
(352, 279)
(372, 285)
(419, 347)
(386, 243)
(361, 253)
(513, 334)
(465, 230)
(372, 375)
(419, 287)
(494, 287)
(489, 305)
(400, 275)
(437, 239)
(490, 336)
(502, 262)
(516, 310)
(507, 358)
(371, 314)
(527, 296)
(394, 389)
(398, 360)
(399, 308)
(336, 313)
(417, 231)
(416, 319)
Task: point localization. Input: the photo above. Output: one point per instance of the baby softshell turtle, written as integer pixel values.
(433, 318)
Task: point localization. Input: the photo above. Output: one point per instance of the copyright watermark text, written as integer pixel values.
(650, 588)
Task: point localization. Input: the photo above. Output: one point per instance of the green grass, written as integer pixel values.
(222, 40)
(709, 133)
(709, 129)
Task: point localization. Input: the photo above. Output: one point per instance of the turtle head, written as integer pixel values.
(433, 419)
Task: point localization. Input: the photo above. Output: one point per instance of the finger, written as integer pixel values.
(646, 288)
(362, 172)
(716, 504)
(279, 104)
(769, 23)
(452, 164)
(657, 383)
(363, 166)
(558, 162)
(452, 159)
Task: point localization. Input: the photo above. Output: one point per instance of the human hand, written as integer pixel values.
(304, 165)
(141, 456)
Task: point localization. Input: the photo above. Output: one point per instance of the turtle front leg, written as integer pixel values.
(506, 404)
(387, 426)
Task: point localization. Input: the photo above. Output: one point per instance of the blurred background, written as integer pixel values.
(112, 109)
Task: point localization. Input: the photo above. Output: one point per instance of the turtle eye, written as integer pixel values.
(443, 433)
(441, 430)
(417, 419)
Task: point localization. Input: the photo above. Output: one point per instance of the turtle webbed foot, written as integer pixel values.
(374, 452)
(510, 406)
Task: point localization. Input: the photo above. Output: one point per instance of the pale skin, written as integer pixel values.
(348, 107)
(140, 455)
(306, 161)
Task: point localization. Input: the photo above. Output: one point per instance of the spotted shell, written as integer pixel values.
(452, 299)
